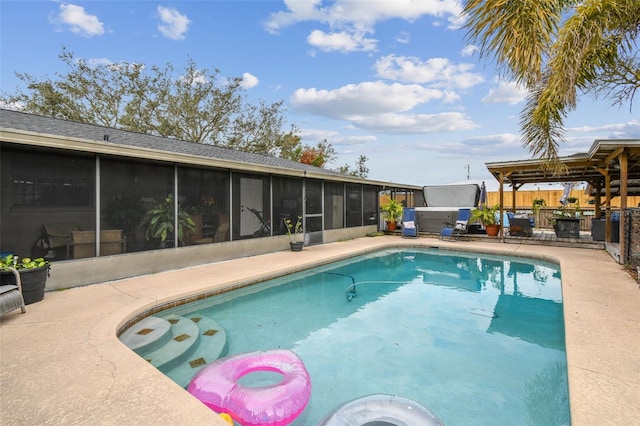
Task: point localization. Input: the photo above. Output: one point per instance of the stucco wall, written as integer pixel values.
(74, 273)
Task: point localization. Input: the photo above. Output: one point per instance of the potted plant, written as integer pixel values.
(294, 231)
(160, 221)
(538, 203)
(566, 221)
(489, 218)
(33, 276)
(393, 213)
(124, 213)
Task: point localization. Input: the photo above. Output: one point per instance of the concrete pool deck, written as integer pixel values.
(62, 363)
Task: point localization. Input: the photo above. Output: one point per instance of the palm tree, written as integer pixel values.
(555, 48)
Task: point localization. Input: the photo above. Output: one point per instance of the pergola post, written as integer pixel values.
(607, 207)
(598, 200)
(501, 205)
(623, 158)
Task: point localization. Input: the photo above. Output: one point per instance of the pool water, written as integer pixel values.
(476, 339)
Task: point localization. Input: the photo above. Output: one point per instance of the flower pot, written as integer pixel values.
(391, 226)
(492, 230)
(567, 227)
(297, 246)
(33, 282)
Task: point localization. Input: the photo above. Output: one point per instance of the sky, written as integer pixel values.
(397, 81)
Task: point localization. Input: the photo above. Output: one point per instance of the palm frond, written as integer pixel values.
(517, 34)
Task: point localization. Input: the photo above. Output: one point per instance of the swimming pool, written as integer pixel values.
(476, 339)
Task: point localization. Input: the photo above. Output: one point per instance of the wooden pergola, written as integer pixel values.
(611, 168)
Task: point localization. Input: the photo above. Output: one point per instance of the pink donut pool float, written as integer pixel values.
(216, 385)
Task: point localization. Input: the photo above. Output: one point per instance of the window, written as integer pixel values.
(130, 191)
(51, 180)
(370, 205)
(333, 205)
(287, 202)
(354, 205)
(205, 195)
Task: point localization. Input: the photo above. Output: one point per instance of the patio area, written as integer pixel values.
(62, 363)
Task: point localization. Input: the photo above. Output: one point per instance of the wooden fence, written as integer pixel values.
(544, 217)
(524, 199)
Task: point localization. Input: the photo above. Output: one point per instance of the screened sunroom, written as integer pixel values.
(75, 192)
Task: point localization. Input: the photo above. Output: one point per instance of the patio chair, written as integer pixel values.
(451, 231)
(520, 227)
(56, 238)
(409, 224)
(222, 233)
(11, 295)
(83, 243)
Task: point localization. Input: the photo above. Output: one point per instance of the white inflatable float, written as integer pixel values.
(381, 409)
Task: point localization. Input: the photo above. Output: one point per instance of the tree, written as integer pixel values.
(555, 48)
(360, 170)
(320, 155)
(196, 106)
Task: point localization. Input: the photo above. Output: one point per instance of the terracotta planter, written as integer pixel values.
(391, 226)
(297, 246)
(33, 282)
(493, 230)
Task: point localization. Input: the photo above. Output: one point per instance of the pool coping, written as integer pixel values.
(64, 358)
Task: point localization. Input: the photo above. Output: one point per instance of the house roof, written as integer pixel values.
(36, 130)
(590, 167)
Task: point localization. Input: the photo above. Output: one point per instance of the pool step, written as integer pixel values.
(185, 335)
(176, 343)
(212, 345)
(147, 335)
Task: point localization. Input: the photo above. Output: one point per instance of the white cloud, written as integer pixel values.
(364, 98)
(508, 92)
(99, 62)
(469, 50)
(341, 41)
(15, 106)
(406, 124)
(249, 80)
(628, 130)
(486, 148)
(354, 140)
(335, 138)
(348, 21)
(403, 38)
(358, 13)
(172, 23)
(580, 139)
(438, 72)
(298, 11)
(381, 107)
(79, 21)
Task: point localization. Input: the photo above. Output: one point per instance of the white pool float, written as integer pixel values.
(383, 409)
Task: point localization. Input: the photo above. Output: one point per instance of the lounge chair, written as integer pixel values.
(11, 295)
(451, 231)
(409, 224)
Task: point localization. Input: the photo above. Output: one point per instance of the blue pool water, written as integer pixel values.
(476, 339)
